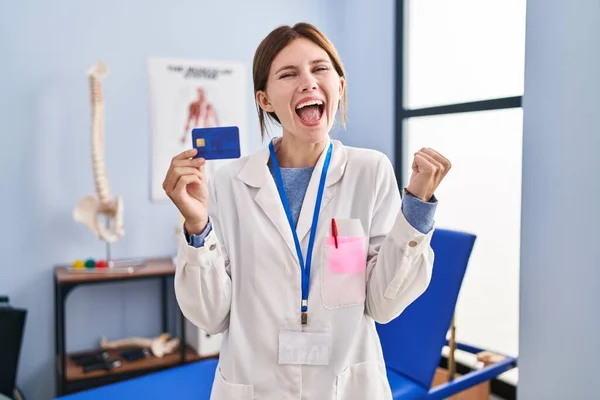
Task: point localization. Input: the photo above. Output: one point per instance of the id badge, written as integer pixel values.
(307, 348)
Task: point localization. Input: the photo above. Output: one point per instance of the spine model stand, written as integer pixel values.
(89, 209)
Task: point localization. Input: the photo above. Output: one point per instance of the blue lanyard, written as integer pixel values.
(304, 268)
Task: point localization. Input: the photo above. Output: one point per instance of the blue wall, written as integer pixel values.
(363, 33)
(46, 50)
(560, 269)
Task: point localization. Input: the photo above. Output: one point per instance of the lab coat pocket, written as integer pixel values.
(343, 271)
(362, 381)
(223, 390)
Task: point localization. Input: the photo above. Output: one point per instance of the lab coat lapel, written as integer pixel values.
(256, 174)
(337, 166)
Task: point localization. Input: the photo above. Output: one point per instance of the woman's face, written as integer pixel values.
(303, 90)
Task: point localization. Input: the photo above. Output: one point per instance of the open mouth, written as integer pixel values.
(310, 112)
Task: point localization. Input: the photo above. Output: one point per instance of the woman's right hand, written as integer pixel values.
(186, 187)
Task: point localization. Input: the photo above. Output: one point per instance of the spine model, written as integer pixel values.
(90, 209)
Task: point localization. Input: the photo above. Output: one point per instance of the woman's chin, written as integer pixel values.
(313, 135)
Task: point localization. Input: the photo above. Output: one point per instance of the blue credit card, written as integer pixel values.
(217, 143)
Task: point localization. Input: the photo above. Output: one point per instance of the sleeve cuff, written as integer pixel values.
(419, 214)
(198, 240)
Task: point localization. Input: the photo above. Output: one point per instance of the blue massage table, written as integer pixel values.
(188, 382)
(412, 344)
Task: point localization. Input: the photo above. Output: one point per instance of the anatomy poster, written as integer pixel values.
(188, 94)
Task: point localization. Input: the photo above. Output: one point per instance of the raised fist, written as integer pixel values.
(428, 169)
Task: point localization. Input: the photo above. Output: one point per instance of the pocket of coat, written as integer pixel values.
(366, 380)
(224, 390)
(343, 272)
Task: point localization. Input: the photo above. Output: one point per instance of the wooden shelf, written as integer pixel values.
(153, 267)
(71, 378)
(75, 372)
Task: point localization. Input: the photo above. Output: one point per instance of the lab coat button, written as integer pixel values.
(212, 247)
(412, 243)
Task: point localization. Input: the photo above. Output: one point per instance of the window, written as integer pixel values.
(460, 74)
(460, 51)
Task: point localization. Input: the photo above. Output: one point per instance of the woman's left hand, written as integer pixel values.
(428, 169)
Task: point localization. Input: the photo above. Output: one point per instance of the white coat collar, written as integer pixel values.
(255, 173)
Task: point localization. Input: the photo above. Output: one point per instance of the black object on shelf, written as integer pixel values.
(12, 321)
(91, 358)
(135, 354)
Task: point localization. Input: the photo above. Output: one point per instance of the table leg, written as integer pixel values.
(59, 334)
(163, 289)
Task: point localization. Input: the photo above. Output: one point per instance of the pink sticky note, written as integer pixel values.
(349, 257)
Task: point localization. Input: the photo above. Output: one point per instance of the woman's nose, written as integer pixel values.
(308, 83)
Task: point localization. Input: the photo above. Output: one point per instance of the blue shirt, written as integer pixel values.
(418, 213)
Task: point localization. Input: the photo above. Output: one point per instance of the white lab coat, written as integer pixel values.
(245, 280)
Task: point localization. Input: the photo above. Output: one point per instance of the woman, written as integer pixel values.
(296, 292)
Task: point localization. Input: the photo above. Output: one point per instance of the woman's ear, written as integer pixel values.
(263, 101)
(342, 86)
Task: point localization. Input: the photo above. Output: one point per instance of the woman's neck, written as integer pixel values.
(293, 153)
